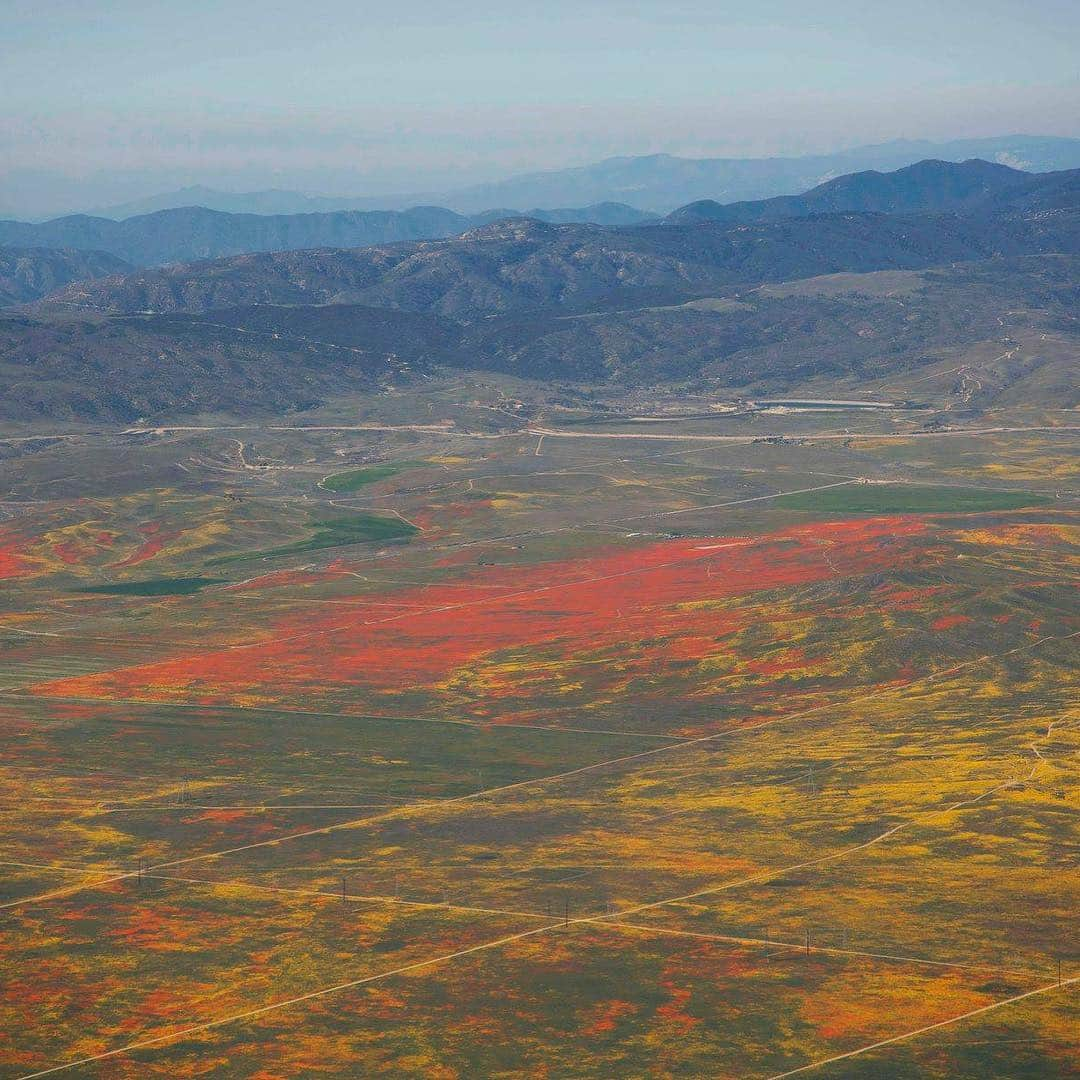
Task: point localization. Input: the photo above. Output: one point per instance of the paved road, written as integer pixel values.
(550, 433)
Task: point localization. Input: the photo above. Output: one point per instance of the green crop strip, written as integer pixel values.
(355, 479)
(907, 499)
(333, 532)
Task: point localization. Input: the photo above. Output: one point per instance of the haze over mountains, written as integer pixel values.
(655, 182)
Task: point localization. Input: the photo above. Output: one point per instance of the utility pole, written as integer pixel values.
(566, 912)
(343, 897)
(808, 941)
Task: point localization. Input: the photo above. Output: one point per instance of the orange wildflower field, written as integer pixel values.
(539, 755)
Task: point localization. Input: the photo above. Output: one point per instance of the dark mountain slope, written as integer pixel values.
(27, 274)
(1041, 193)
(856, 326)
(521, 265)
(927, 187)
(836, 331)
(193, 232)
(84, 367)
(380, 332)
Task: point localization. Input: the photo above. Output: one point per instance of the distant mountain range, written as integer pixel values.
(926, 187)
(272, 201)
(195, 232)
(656, 182)
(662, 182)
(907, 219)
(519, 264)
(862, 276)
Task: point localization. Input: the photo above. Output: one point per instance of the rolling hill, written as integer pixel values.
(521, 265)
(79, 367)
(929, 187)
(840, 331)
(27, 274)
(194, 232)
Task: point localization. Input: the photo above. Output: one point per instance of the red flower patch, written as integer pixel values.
(154, 541)
(655, 595)
(12, 564)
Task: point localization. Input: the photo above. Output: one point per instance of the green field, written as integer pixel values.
(334, 532)
(908, 499)
(165, 586)
(354, 479)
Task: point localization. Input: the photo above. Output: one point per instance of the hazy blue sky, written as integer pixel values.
(107, 100)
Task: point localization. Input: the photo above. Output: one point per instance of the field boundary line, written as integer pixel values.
(274, 1006)
(929, 1027)
(597, 920)
(148, 703)
(536, 781)
(826, 950)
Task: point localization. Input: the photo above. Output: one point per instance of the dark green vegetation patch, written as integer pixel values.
(334, 532)
(354, 479)
(166, 586)
(907, 499)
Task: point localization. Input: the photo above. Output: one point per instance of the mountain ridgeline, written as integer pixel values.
(662, 182)
(653, 182)
(927, 187)
(29, 273)
(195, 232)
(867, 275)
(519, 265)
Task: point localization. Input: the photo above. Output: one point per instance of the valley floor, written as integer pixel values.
(492, 744)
